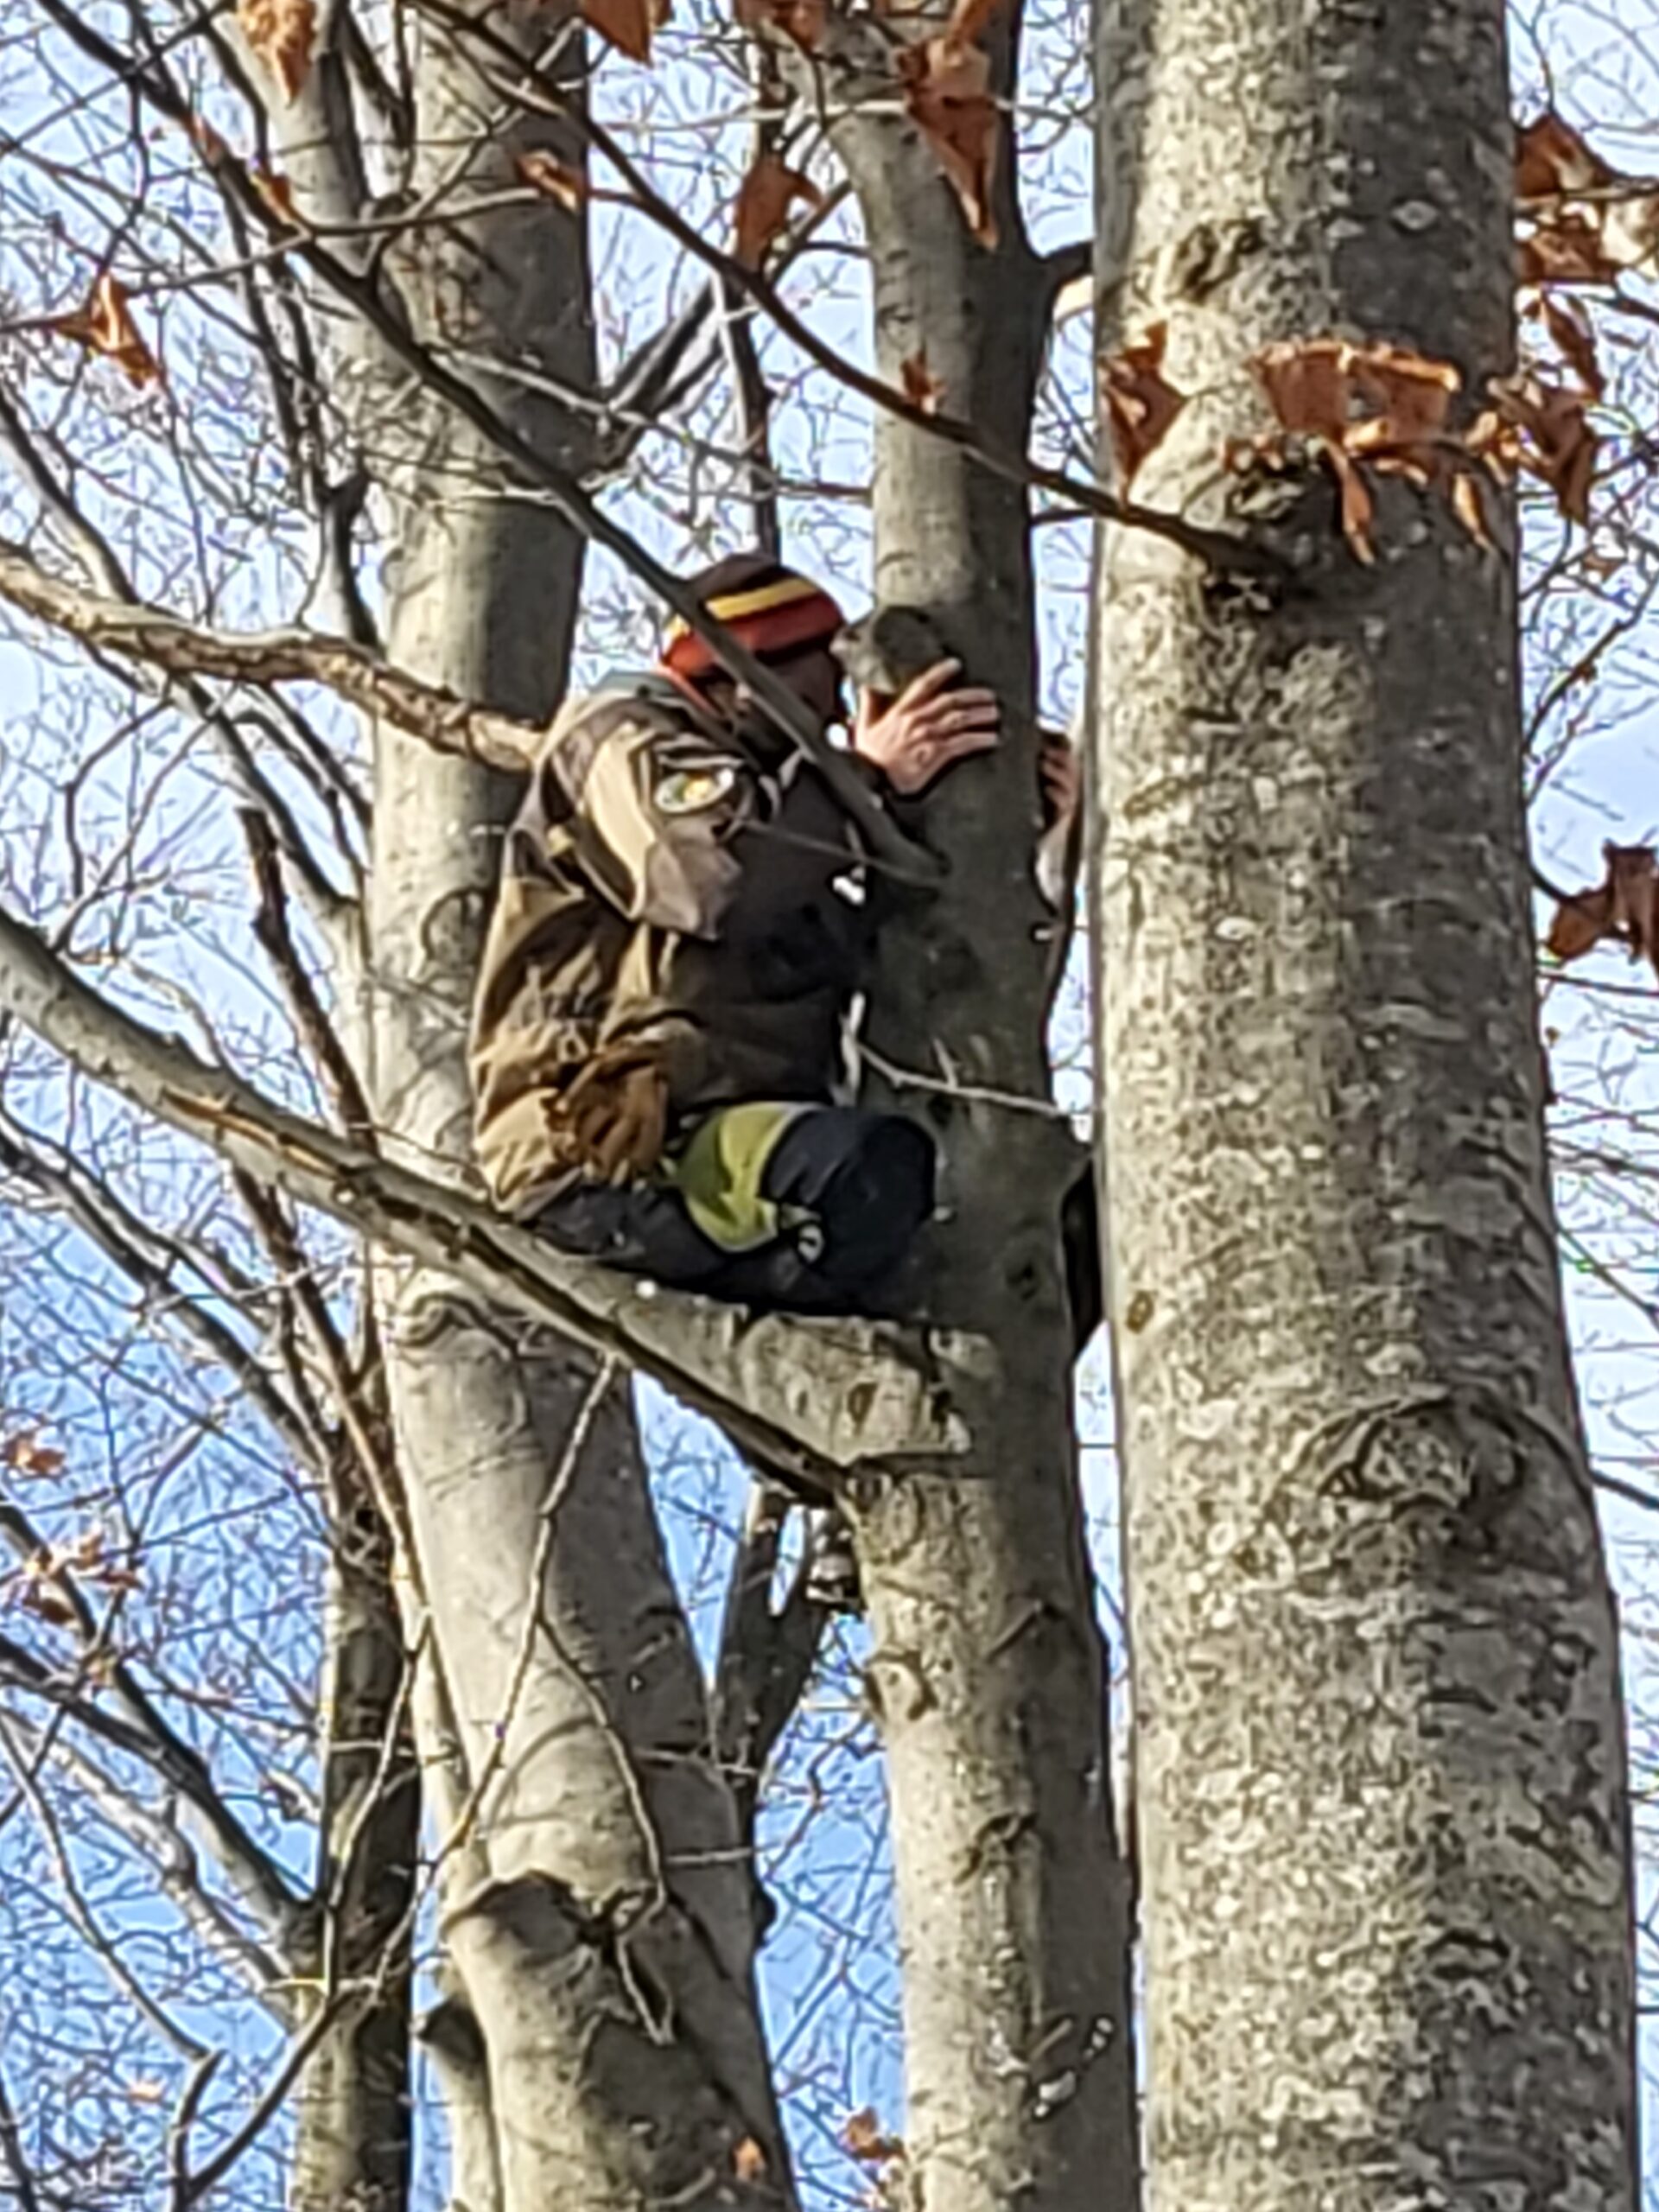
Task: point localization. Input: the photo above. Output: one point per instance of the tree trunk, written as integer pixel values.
(987, 1665)
(1379, 1756)
(606, 1955)
(352, 2138)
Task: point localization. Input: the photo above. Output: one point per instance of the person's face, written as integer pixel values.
(814, 676)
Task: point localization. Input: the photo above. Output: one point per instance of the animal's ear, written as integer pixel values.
(886, 648)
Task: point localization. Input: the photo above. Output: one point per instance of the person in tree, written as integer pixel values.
(686, 913)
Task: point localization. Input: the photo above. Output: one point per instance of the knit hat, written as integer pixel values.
(767, 607)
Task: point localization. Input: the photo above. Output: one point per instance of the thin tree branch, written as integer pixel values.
(816, 1399)
(11, 2150)
(96, 553)
(353, 673)
(1217, 549)
(770, 693)
(259, 1879)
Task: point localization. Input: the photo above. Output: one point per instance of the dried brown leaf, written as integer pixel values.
(1358, 509)
(764, 199)
(274, 189)
(1569, 325)
(1554, 441)
(1550, 156)
(1624, 906)
(627, 25)
(922, 388)
(1469, 504)
(1306, 385)
(106, 326)
(555, 179)
(1140, 404)
(1580, 924)
(969, 19)
(947, 96)
(206, 140)
(1568, 248)
(281, 34)
(1629, 229)
(749, 2160)
(862, 2138)
(47, 1604)
(803, 21)
(25, 1457)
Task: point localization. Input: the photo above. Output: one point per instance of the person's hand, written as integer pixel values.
(1059, 775)
(612, 1123)
(927, 727)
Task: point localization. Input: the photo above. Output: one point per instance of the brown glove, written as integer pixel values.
(612, 1123)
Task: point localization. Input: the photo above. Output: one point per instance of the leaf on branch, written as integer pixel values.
(25, 1457)
(276, 190)
(206, 140)
(1540, 429)
(627, 25)
(281, 34)
(554, 179)
(862, 2138)
(1141, 404)
(1568, 248)
(922, 388)
(947, 87)
(1380, 404)
(1625, 907)
(1614, 226)
(803, 21)
(971, 19)
(1574, 337)
(106, 326)
(749, 2160)
(1550, 158)
(764, 199)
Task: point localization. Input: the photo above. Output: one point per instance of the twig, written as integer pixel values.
(11, 2150)
(178, 2135)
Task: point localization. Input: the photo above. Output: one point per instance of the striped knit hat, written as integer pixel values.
(766, 606)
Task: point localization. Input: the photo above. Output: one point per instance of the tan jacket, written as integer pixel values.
(658, 882)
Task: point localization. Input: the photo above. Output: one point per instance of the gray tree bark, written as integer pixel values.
(1379, 1764)
(987, 1663)
(606, 1954)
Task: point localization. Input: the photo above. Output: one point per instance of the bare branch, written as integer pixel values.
(427, 711)
(11, 2150)
(259, 1880)
(816, 1399)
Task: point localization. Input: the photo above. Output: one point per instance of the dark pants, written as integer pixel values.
(855, 1187)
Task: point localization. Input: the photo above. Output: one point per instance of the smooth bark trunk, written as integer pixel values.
(986, 1662)
(1379, 1762)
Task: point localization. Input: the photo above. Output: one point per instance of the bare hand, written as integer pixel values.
(927, 727)
(1060, 774)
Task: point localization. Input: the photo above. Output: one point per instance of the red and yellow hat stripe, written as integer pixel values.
(769, 619)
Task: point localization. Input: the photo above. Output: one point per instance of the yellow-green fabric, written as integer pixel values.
(720, 1173)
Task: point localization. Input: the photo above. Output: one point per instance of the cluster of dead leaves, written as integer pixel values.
(39, 1583)
(628, 25)
(947, 94)
(282, 34)
(1623, 906)
(1140, 404)
(24, 1454)
(1586, 223)
(1374, 409)
(764, 199)
(106, 326)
